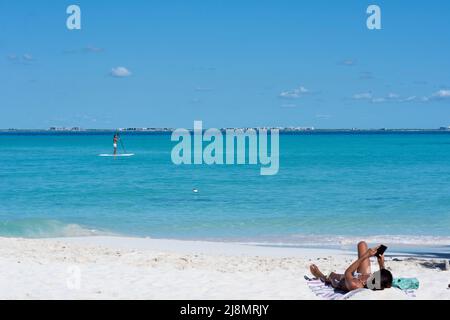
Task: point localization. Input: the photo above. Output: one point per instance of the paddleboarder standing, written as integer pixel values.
(115, 139)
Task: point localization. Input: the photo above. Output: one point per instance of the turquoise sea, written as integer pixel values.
(330, 187)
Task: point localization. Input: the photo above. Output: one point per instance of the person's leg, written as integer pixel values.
(364, 267)
(317, 273)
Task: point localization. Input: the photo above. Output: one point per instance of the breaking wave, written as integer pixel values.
(45, 228)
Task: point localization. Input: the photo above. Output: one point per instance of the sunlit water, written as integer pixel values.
(330, 187)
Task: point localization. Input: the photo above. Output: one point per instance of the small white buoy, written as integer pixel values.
(195, 190)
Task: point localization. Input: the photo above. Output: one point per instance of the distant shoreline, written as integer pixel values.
(170, 130)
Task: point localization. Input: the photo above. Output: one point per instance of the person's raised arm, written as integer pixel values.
(380, 259)
(351, 282)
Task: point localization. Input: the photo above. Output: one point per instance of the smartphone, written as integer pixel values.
(380, 250)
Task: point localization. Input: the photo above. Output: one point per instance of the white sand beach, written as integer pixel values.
(134, 268)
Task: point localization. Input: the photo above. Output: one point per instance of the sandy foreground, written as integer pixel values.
(133, 268)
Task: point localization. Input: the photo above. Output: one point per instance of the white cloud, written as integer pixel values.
(378, 100)
(27, 57)
(294, 94)
(363, 96)
(93, 49)
(87, 49)
(408, 99)
(120, 72)
(441, 94)
(348, 62)
(390, 97)
(393, 96)
(12, 57)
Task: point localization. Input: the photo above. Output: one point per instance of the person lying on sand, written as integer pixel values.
(358, 274)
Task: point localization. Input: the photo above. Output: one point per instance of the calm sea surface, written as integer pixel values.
(329, 186)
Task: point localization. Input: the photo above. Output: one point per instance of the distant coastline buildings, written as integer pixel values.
(151, 129)
(65, 129)
(243, 129)
(146, 129)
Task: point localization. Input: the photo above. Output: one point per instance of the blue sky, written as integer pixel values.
(228, 63)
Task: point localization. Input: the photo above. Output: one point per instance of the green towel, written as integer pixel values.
(406, 283)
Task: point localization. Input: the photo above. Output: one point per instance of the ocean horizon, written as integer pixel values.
(331, 189)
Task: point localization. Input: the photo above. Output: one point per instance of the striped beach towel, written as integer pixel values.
(327, 292)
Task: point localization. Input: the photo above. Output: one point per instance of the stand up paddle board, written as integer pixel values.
(116, 155)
